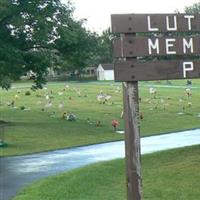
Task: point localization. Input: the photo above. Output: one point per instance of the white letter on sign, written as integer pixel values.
(187, 66)
(149, 25)
(189, 17)
(169, 45)
(153, 46)
(175, 24)
(188, 45)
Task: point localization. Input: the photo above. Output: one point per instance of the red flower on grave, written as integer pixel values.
(115, 124)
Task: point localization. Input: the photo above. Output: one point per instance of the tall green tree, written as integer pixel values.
(38, 34)
(77, 45)
(28, 30)
(193, 9)
(105, 46)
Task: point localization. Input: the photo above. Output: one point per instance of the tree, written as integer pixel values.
(105, 47)
(194, 9)
(77, 46)
(39, 34)
(28, 30)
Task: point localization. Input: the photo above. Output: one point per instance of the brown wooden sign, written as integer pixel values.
(130, 70)
(156, 70)
(130, 46)
(137, 23)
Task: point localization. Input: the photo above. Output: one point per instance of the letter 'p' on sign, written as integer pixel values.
(187, 66)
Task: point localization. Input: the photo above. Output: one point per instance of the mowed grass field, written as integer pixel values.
(168, 175)
(40, 126)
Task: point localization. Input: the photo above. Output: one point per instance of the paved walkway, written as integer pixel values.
(16, 172)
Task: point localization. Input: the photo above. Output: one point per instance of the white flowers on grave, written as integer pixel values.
(16, 97)
(152, 92)
(52, 114)
(49, 104)
(61, 105)
(79, 93)
(188, 92)
(180, 100)
(66, 86)
(118, 90)
(103, 98)
(189, 104)
(71, 117)
(107, 97)
(183, 103)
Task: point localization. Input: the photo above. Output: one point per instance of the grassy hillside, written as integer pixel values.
(35, 121)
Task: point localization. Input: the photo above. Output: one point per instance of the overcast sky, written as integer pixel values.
(97, 12)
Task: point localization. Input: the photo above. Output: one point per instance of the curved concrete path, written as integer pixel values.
(16, 172)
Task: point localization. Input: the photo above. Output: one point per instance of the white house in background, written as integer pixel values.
(105, 72)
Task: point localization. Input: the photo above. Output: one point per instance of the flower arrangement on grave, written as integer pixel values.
(71, 117)
(152, 92)
(115, 124)
(189, 104)
(52, 114)
(182, 106)
(51, 96)
(64, 115)
(61, 105)
(188, 92)
(47, 97)
(78, 93)
(38, 95)
(12, 104)
(103, 98)
(49, 104)
(22, 107)
(98, 124)
(16, 97)
(118, 90)
(141, 116)
(88, 121)
(27, 93)
(66, 86)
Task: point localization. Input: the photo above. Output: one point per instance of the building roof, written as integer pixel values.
(107, 66)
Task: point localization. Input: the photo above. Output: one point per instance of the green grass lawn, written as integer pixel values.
(168, 175)
(35, 130)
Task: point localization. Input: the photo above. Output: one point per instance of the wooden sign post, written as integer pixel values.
(150, 57)
(132, 140)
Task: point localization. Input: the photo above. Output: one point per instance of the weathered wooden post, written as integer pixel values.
(150, 66)
(132, 140)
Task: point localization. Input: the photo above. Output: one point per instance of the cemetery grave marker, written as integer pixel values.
(151, 47)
